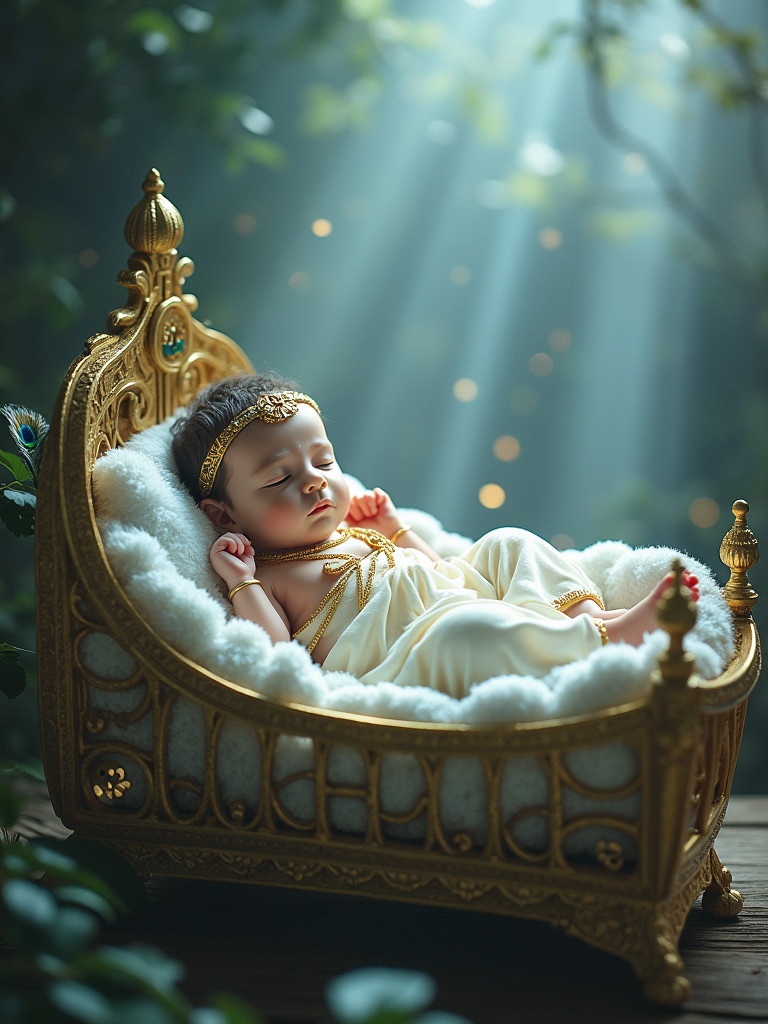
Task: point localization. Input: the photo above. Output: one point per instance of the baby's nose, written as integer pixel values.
(315, 481)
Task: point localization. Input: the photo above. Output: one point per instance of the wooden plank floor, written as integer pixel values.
(279, 948)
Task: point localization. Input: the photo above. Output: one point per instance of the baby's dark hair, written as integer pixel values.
(205, 418)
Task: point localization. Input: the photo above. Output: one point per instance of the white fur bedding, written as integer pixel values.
(157, 542)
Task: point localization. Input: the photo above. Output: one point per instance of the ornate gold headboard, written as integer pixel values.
(153, 358)
(142, 384)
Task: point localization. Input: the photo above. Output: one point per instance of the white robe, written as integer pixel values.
(495, 610)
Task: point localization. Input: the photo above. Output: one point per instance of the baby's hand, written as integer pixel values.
(232, 557)
(374, 510)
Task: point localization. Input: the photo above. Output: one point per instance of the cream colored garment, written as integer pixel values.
(489, 612)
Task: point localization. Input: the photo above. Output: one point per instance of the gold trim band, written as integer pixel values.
(273, 407)
(573, 597)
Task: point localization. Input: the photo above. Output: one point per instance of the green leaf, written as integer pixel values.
(29, 902)
(86, 899)
(72, 931)
(16, 512)
(16, 465)
(361, 995)
(13, 676)
(148, 968)
(52, 861)
(80, 1002)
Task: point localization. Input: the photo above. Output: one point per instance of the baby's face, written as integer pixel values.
(285, 488)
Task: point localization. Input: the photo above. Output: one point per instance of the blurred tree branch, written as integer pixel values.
(599, 29)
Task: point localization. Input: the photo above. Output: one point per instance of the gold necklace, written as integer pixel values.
(342, 565)
(376, 542)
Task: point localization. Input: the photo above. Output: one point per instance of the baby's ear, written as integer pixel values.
(217, 513)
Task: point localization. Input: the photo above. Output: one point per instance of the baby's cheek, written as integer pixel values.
(277, 515)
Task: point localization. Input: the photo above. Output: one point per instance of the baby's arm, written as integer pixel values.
(232, 557)
(374, 510)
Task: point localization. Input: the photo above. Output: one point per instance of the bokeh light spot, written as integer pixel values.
(550, 238)
(506, 448)
(321, 227)
(256, 121)
(465, 389)
(491, 496)
(704, 512)
(540, 364)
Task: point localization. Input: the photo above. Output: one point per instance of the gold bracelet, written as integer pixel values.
(602, 630)
(245, 583)
(399, 533)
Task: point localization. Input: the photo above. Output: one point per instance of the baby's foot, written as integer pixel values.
(631, 626)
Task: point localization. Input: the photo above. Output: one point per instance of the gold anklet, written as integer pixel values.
(602, 630)
(245, 583)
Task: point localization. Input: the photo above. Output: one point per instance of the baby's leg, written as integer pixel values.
(521, 568)
(631, 624)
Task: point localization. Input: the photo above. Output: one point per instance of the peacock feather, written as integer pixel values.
(28, 430)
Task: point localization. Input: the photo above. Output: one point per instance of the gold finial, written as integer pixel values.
(154, 225)
(676, 614)
(739, 552)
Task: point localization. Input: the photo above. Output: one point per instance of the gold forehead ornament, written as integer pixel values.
(273, 407)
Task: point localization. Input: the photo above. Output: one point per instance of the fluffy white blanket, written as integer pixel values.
(157, 542)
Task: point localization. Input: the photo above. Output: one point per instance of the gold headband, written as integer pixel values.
(273, 407)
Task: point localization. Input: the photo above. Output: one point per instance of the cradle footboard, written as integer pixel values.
(602, 824)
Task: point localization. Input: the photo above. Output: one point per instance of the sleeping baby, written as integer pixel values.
(343, 575)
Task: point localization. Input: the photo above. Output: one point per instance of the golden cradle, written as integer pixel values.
(685, 736)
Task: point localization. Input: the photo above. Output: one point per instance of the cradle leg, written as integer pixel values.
(664, 982)
(719, 899)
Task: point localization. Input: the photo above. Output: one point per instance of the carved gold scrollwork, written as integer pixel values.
(467, 889)
(525, 895)
(112, 783)
(117, 775)
(299, 871)
(139, 285)
(462, 841)
(353, 875)
(407, 881)
(135, 409)
(610, 855)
